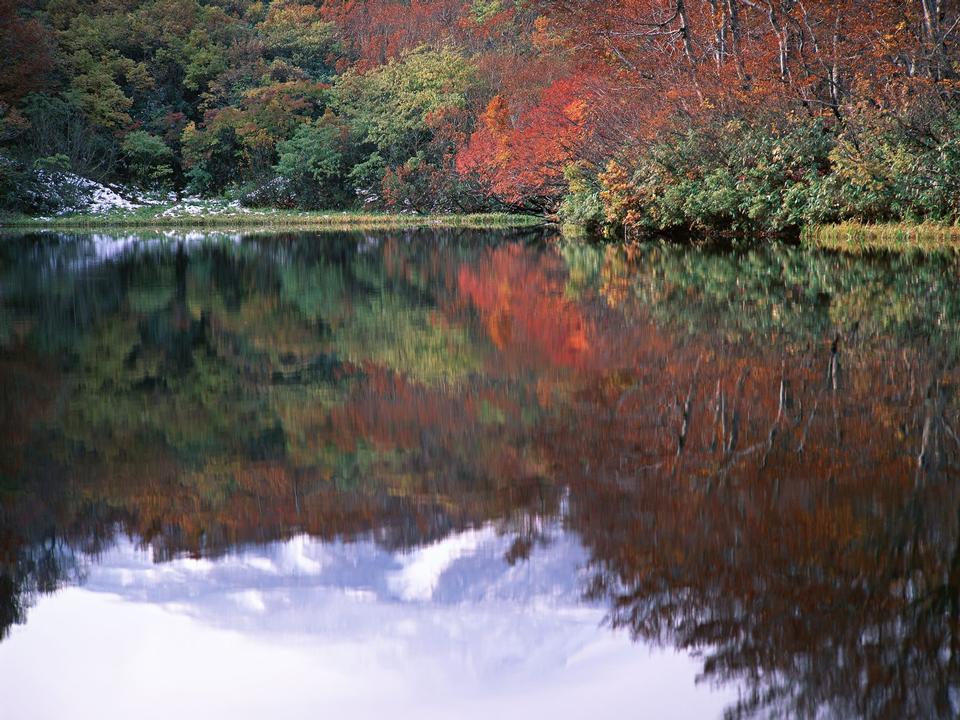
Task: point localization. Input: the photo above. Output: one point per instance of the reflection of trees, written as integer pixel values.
(800, 534)
(765, 471)
(778, 291)
(221, 393)
(759, 450)
(747, 499)
(33, 571)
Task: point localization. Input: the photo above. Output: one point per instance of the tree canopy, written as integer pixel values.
(849, 109)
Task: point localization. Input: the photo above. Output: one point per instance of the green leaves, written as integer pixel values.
(314, 152)
(390, 107)
(298, 33)
(313, 159)
(148, 158)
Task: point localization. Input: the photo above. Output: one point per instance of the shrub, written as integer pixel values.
(149, 161)
(775, 177)
(581, 206)
(312, 161)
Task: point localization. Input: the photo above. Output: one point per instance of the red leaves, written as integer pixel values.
(522, 159)
(525, 310)
(26, 58)
(373, 32)
(699, 56)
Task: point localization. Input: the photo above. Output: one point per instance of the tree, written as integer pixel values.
(25, 47)
(390, 107)
(149, 160)
(522, 161)
(313, 161)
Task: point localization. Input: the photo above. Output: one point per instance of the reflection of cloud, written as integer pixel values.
(296, 559)
(453, 601)
(465, 567)
(304, 628)
(250, 600)
(423, 568)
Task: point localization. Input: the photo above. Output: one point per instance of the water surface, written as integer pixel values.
(463, 474)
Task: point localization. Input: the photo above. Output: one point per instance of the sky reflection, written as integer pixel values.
(304, 628)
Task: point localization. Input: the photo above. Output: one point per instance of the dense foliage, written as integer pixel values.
(654, 115)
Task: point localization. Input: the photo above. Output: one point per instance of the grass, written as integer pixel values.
(896, 237)
(219, 215)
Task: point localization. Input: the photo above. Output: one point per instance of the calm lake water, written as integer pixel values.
(443, 474)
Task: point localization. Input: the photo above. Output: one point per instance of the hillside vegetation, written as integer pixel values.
(654, 116)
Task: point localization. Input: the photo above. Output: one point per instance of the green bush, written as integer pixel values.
(734, 176)
(884, 170)
(312, 161)
(149, 161)
(778, 177)
(581, 206)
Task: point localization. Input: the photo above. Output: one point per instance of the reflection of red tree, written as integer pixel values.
(767, 509)
(520, 298)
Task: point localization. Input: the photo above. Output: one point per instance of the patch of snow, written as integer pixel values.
(194, 206)
(80, 194)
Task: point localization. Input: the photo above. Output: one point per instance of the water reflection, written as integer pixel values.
(349, 629)
(747, 457)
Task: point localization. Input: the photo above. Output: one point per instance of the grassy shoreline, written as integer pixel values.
(858, 238)
(855, 238)
(161, 217)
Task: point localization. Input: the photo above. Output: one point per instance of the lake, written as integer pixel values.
(465, 474)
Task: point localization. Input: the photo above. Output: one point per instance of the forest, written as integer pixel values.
(657, 116)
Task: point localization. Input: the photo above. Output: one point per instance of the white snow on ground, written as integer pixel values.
(192, 206)
(76, 194)
(89, 195)
(104, 199)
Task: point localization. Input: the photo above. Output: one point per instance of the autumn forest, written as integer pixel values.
(660, 116)
(479, 358)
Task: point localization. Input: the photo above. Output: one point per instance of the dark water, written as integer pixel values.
(463, 475)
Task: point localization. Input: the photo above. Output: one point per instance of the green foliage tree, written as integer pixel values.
(312, 161)
(149, 160)
(297, 33)
(390, 107)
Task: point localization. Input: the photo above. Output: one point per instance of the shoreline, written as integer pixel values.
(862, 238)
(158, 217)
(848, 237)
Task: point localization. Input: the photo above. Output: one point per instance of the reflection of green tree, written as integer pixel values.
(318, 291)
(584, 261)
(119, 404)
(198, 352)
(201, 354)
(372, 319)
(387, 331)
(790, 292)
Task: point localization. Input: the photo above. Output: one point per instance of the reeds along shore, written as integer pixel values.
(899, 237)
(154, 217)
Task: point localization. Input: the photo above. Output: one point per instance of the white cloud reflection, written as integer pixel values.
(305, 629)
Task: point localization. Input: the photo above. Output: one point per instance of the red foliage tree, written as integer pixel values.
(25, 52)
(521, 159)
